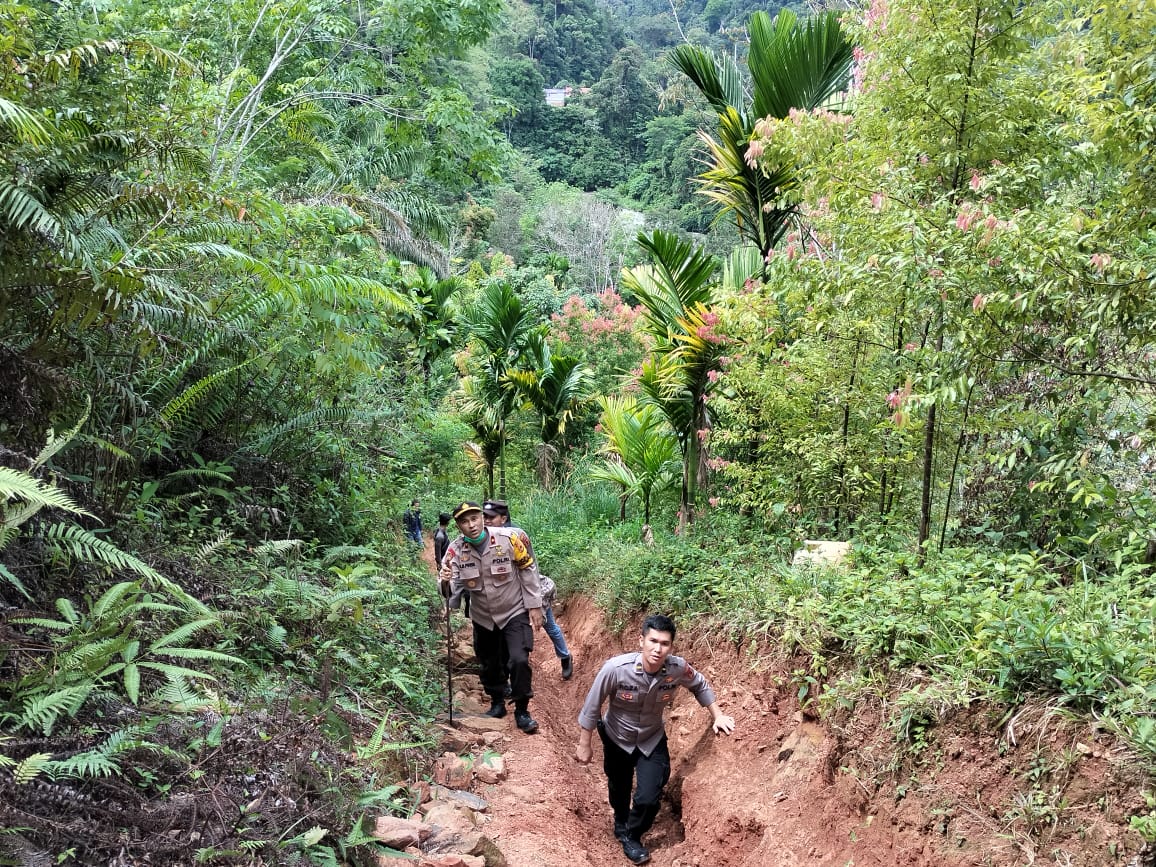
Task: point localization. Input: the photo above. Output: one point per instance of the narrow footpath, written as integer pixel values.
(783, 790)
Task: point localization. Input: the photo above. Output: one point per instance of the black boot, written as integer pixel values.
(523, 719)
(635, 851)
(567, 668)
(497, 708)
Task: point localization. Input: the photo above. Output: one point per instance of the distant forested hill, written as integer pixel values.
(658, 24)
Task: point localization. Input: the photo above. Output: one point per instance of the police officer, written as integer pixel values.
(640, 686)
(498, 570)
(497, 514)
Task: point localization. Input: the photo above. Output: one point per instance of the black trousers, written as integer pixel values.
(506, 648)
(623, 771)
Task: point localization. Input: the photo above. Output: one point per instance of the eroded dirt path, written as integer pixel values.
(784, 791)
(551, 812)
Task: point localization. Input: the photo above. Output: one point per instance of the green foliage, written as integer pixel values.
(977, 625)
(110, 643)
(793, 67)
(641, 451)
(676, 293)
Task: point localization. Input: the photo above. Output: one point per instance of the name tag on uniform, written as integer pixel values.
(500, 566)
(626, 695)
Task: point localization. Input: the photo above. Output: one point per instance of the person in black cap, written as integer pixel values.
(497, 514)
(441, 538)
(497, 568)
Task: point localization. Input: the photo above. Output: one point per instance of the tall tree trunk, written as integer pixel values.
(502, 460)
(929, 457)
(954, 468)
(842, 503)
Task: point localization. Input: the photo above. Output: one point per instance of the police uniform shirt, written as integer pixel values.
(502, 577)
(638, 700)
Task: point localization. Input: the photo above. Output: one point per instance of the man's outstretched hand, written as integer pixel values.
(723, 724)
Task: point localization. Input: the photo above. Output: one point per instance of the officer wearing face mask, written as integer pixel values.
(497, 568)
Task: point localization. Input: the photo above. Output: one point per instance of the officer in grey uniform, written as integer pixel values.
(497, 567)
(497, 514)
(639, 687)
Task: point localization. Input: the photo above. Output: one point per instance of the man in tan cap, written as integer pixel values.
(497, 568)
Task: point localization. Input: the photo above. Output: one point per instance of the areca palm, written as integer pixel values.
(792, 66)
(432, 321)
(640, 450)
(676, 293)
(500, 327)
(556, 386)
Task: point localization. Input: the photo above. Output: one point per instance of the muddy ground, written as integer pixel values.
(787, 789)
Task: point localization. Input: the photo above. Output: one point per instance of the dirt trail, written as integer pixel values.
(782, 791)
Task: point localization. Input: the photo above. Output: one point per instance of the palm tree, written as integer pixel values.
(792, 66)
(640, 451)
(484, 450)
(431, 322)
(676, 294)
(556, 386)
(500, 327)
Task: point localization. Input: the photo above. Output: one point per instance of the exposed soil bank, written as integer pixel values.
(788, 790)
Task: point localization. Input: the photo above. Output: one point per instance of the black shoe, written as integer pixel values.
(497, 709)
(620, 832)
(525, 722)
(635, 851)
(567, 668)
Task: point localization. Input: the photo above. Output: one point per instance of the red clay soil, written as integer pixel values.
(786, 790)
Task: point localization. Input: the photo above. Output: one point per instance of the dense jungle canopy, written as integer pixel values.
(271, 269)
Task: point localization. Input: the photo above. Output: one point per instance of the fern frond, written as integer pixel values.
(308, 419)
(19, 485)
(67, 610)
(7, 575)
(278, 546)
(199, 653)
(101, 443)
(277, 635)
(179, 695)
(30, 768)
(98, 761)
(90, 656)
(345, 553)
(184, 402)
(213, 545)
(112, 596)
(43, 623)
(209, 473)
(26, 127)
(85, 546)
(42, 713)
(178, 672)
(182, 632)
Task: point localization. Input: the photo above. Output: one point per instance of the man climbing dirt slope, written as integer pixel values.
(783, 791)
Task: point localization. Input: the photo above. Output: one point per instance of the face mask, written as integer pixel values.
(478, 540)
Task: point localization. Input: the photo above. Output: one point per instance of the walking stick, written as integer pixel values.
(449, 663)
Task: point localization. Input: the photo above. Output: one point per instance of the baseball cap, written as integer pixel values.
(465, 508)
